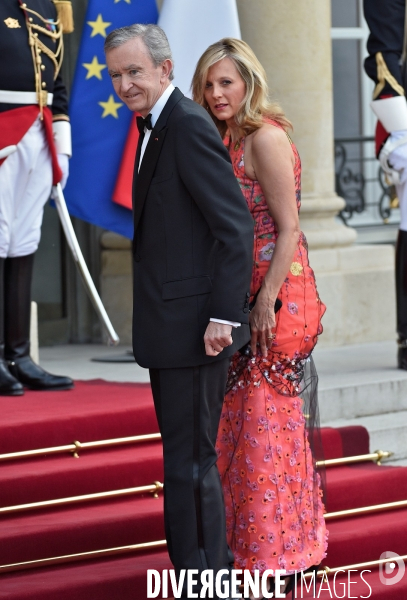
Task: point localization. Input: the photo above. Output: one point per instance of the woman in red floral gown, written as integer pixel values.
(271, 488)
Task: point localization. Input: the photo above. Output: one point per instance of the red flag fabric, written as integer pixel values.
(381, 134)
(122, 193)
(15, 123)
(56, 169)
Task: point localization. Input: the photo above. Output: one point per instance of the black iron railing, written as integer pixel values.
(360, 180)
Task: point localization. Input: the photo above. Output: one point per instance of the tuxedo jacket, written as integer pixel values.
(193, 241)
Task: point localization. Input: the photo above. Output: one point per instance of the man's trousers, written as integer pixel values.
(188, 403)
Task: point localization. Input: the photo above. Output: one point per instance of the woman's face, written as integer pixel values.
(224, 90)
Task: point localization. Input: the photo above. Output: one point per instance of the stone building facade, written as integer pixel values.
(293, 42)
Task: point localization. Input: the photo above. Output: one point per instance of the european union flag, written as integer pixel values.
(100, 122)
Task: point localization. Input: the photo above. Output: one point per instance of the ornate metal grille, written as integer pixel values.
(361, 182)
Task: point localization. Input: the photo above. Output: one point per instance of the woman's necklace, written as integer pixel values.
(237, 143)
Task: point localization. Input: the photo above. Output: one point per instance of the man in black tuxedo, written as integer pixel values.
(192, 251)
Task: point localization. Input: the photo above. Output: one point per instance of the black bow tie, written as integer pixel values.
(144, 123)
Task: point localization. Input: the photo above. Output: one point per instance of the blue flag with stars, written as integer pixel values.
(100, 122)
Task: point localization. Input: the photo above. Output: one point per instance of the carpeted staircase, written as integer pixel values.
(98, 410)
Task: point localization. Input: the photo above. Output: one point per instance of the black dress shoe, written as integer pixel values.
(402, 355)
(34, 377)
(9, 386)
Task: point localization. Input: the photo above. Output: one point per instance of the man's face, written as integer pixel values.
(136, 80)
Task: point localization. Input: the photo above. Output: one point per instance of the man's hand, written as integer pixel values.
(217, 336)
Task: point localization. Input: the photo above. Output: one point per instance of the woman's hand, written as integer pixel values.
(270, 158)
(262, 321)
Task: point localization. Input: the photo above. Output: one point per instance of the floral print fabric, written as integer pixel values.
(273, 502)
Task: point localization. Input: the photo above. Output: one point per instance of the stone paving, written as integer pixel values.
(358, 384)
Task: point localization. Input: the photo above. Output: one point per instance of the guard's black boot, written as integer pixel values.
(401, 298)
(9, 386)
(17, 303)
(402, 355)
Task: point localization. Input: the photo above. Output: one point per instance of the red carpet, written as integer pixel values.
(94, 410)
(62, 476)
(99, 410)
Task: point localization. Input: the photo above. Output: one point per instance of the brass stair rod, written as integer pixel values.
(76, 446)
(354, 512)
(118, 441)
(154, 489)
(158, 487)
(45, 562)
(40, 452)
(377, 456)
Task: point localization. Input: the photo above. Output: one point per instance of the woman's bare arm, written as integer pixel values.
(271, 159)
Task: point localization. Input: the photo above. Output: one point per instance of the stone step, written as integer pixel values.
(361, 385)
(358, 384)
(359, 381)
(387, 431)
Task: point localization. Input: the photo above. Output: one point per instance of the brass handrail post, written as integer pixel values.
(382, 454)
(158, 488)
(75, 450)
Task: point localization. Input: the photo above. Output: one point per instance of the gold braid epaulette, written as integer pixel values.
(37, 47)
(383, 75)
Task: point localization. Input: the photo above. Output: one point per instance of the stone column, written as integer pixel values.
(116, 286)
(292, 41)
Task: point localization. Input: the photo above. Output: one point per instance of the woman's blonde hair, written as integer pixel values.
(256, 104)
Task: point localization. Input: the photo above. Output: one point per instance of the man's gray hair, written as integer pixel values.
(153, 37)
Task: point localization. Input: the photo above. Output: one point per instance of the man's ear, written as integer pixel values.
(166, 69)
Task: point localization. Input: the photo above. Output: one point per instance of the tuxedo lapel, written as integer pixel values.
(146, 172)
(142, 179)
(136, 162)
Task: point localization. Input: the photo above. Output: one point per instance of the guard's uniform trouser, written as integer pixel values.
(25, 186)
(402, 196)
(398, 162)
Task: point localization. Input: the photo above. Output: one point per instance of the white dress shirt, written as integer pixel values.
(155, 113)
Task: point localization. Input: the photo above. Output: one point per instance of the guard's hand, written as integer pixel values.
(395, 164)
(262, 321)
(217, 336)
(63, 161)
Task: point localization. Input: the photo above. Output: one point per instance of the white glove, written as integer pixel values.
(63, 161)
(393, 157)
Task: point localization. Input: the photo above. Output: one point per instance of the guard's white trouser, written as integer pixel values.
(25, 186)
(401, 190)
(398, 161)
